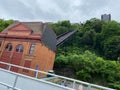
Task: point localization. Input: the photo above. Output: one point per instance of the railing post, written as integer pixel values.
(74, 84)
(36, 74)
(15, 82)
(9, 67)
(89, 87)
(8, 88)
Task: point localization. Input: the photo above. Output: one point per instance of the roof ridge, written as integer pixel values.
(11, 25)
(32, 22)
(36, 27)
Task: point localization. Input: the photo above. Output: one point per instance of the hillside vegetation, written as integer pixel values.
(92, 54)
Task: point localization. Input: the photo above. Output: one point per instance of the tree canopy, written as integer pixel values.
(94, 35)
(92, 53)
(4, 24)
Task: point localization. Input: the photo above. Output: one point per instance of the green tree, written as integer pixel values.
(88, 38)
(109, 40)
(110, 29)
(112, 47)
(95, 24)
(61, 27)
(4, 24)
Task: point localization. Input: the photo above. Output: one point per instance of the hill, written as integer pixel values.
(92, 54)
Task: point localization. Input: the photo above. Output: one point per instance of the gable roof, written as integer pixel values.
(36, 27)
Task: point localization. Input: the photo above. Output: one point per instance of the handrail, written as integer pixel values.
(28, 77)
(58, 76)
(63, 37)
(62, 34)
(9, 86)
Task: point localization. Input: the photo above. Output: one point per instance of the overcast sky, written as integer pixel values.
(56, 10)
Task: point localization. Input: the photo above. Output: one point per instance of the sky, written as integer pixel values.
(56, 10)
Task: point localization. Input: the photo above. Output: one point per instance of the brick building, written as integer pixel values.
(28, 44)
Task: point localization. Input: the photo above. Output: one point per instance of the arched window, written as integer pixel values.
(19, 48)
(8, 47)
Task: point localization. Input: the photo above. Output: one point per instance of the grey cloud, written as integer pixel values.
(64, 5)
(16, 9)
(54, 10)
(22, 11)
(92, 6)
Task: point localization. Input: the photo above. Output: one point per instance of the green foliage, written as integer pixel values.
(4, 24)
(83, 75)
(88, 38)
(60, 61)
(95, 24)
(88, 66)
(110, 29)
(115, 85)
(109, 40)
(112, 47)
(79, 52)
(62, 27)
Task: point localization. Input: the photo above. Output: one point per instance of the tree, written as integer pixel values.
(110, 29)
(91, 68)
(112, 47)
(108, 40)
(4, 24)
(61, 27)
(95, 24)
(88, 38)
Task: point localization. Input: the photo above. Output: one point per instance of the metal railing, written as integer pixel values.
(63, 37)
(72, 84)
(9, 86)
(18, 76)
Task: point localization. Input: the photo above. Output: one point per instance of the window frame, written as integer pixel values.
(32, 48)
(8, 47)
(19, 48)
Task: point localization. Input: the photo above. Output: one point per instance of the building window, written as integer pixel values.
(27, 64)
(8, 47)
(32, 47)
(0, 43)
(19, 48)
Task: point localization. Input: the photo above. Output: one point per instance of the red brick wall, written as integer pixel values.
(42, 56)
